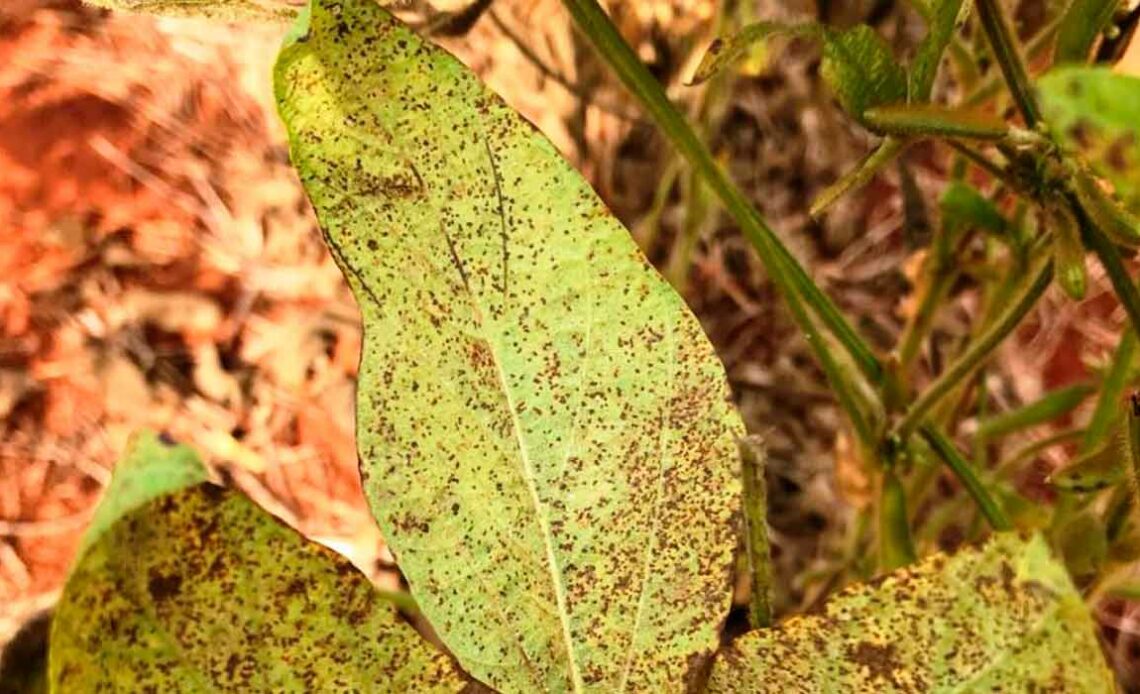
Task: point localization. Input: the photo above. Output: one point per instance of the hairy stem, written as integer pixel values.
(1007, 52)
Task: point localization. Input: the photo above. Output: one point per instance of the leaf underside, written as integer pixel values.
(1004, 617)
(199, 590)
(545, 432)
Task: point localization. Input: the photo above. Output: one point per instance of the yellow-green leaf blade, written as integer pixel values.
(1005, 617)
(150, 468)
(224, 10)
(201, 591)
(544, 430)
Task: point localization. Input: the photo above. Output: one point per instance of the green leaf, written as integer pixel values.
(1083, 544)
(225, 10)
(857, 64)
(859, 68)
(1096, 111)
(1004, 617)
(964, 207)
(927, 120)
(1049, 407)
(1079, 27)
(942, 18)
(198, 590)
(545, 433)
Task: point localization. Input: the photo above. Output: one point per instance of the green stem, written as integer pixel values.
(896, 546)
(965, 473)
(975, 354)
(1007, 52)
(753, 458)
(787, 274)
(1113, 265)
(1111, 392)
(980, 160)
(991, 83)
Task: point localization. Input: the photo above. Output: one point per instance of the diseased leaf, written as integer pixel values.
(199, 590)
(226, 10)
(1004, 617)
(726, 50)
(545, 433)
(1079, 27)
(1097, 112)
(1098, 469)
(150, 468)
(942, 18)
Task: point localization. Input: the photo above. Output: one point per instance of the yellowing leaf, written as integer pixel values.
(545, 432)
(726, 50)
(1002, 618)
(188, 587)
(227, 10)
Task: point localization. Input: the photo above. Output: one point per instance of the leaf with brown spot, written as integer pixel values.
(545, 432)
(188, 587)
(1001, 618)
(1096, 112)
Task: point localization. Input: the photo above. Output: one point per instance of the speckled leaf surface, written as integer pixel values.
(1002, 618)
(150, 467)
(545, 432)
(1097, 112)
(199, 590)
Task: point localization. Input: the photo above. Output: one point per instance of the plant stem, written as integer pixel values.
(1007, 52)
(965, 473)
(753, 458)
(1111, 392)
(787, 274)
(990, 84)
(882, 155)
(980, 160)
(975, 354)
(1113, 265)
(896, 546)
